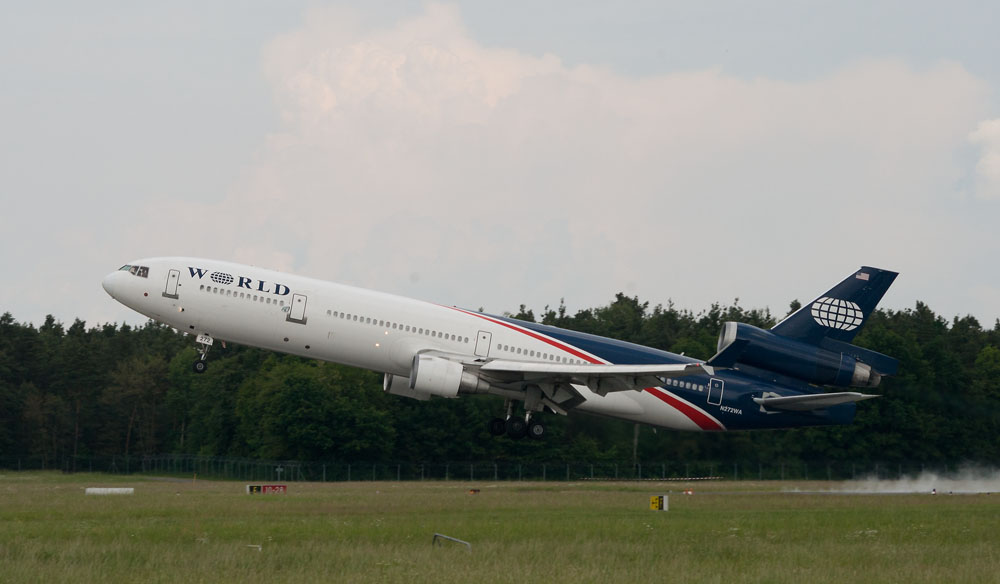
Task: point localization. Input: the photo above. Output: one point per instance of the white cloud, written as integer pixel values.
(415, 159)
(987, 137)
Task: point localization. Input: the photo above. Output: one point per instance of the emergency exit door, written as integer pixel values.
(173, 276)
(715, 387)
(297, 311)
(483, 340)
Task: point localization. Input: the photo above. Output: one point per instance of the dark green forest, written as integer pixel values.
(69, 393)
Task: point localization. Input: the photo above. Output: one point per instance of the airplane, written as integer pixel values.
(758, 378)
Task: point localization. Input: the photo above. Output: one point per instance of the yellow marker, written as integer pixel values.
(658, 503)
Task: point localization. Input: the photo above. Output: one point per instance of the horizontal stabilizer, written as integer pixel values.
(818, 401)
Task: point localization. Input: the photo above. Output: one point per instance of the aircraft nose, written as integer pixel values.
(109, 283)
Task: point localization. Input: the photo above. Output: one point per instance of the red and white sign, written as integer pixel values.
(266, 489)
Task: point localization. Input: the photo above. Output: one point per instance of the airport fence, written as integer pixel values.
(245, 469)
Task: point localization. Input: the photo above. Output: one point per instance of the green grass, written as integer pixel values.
(200, 531)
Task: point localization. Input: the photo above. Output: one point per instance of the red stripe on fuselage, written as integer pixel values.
(704, 422)
(561, 346)
(694, 414)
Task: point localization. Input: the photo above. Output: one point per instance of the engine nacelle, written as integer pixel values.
(434, 376)
(766, 350)
(399, 385)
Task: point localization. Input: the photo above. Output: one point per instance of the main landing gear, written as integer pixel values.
(204, 344)
(515, 427)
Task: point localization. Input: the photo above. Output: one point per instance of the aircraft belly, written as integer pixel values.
(663, 414)
(619, 404)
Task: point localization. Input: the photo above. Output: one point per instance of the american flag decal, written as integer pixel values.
(861, 276)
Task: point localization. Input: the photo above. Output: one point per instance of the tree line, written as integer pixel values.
(110, 390)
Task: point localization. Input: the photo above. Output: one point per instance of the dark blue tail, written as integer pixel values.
(838, 314)
(814, 343)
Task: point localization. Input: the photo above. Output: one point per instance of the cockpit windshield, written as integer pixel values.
(141, 271)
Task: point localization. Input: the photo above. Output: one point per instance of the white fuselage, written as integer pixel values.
(363, 328)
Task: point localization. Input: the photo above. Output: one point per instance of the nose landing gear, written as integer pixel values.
(204, 343)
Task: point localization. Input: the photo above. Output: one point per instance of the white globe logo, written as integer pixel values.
(838, 314)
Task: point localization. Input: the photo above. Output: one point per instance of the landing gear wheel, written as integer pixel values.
(516, 428)
(200, 366)
(497, 426)
(536, 430)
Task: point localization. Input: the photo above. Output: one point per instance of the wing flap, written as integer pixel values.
(601, 379)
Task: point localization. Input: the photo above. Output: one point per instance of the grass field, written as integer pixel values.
(202, 531)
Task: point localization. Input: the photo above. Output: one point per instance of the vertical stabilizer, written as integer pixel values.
(840, 312)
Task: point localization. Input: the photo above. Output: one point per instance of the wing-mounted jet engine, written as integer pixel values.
(434, 375)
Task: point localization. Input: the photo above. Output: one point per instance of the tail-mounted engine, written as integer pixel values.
(830, 363)
(431, 375)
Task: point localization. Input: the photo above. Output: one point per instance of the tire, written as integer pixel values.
(200, 366)
(497, 427)
(516, 428)
(536, 430)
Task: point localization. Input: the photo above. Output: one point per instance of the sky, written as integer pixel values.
(489, 155)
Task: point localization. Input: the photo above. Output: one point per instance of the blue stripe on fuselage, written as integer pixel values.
(737, 411)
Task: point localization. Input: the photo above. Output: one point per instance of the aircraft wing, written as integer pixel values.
(601, 379)
(804, 403)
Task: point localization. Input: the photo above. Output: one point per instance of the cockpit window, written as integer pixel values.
(141, 271)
